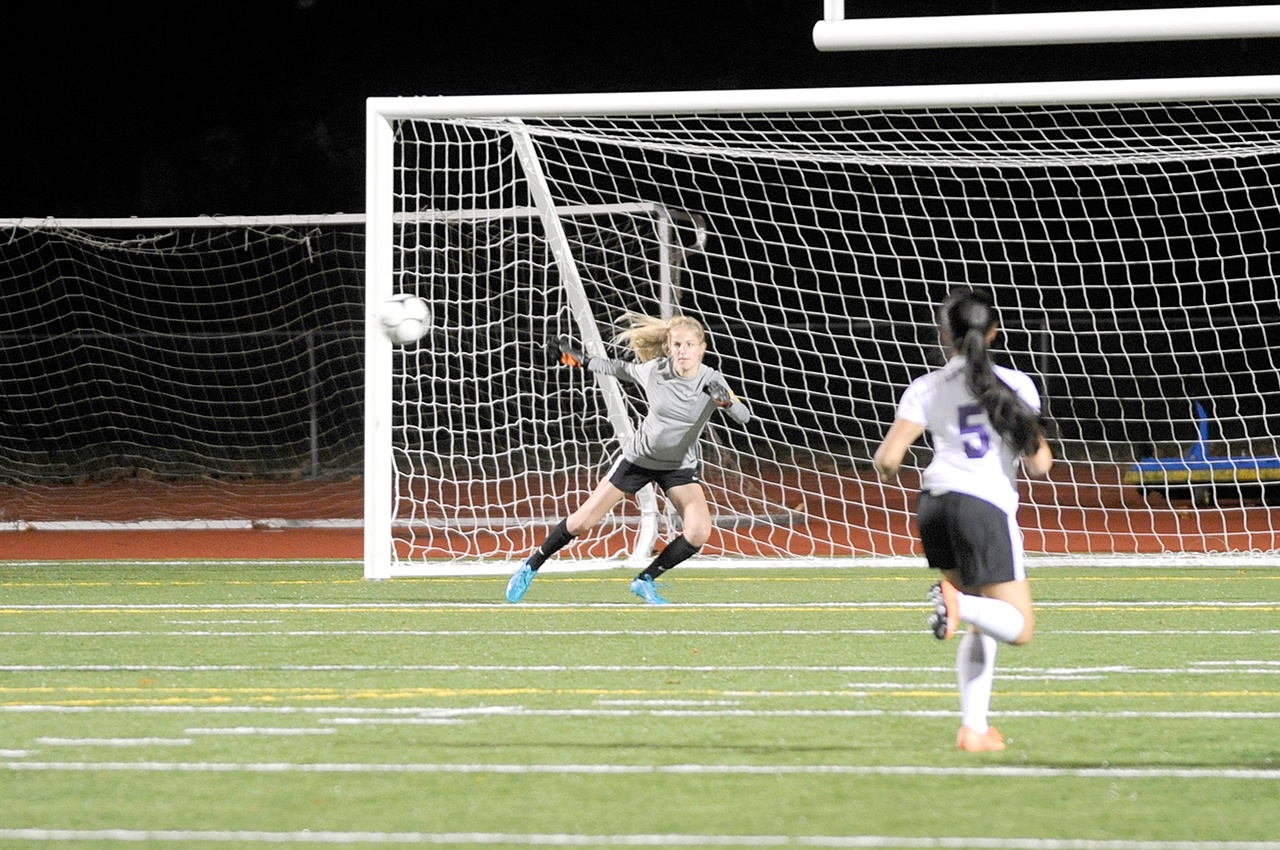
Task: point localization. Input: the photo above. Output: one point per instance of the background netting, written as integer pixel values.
(181, 371)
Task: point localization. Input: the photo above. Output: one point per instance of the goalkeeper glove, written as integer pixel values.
(569, 353)
(720, 394)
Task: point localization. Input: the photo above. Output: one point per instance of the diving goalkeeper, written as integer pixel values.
(682, 393)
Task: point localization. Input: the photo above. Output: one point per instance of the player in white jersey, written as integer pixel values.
(682, 393)
(984, 421)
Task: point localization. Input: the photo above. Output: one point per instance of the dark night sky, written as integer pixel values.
(254, 107)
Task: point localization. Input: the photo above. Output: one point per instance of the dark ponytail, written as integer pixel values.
(966, 317)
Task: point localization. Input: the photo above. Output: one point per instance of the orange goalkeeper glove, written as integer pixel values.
(720, 394)
(569, 353)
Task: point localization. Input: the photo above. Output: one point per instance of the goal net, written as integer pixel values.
(181, 373)
(1128, 232)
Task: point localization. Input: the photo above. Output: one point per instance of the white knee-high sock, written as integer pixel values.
(992, 616)
(975, 673)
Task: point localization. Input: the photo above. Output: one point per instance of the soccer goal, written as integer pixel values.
(181, 373)
(1129, 230)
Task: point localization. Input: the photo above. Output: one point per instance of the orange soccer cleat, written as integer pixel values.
(973, 742)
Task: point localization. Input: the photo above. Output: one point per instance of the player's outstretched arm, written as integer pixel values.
(724, 398)
(568, 353)
(719, 394)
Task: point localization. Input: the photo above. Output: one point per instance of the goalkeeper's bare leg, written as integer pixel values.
(601, 501)
(695, 516)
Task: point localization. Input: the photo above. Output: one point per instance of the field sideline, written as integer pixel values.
(247, 705)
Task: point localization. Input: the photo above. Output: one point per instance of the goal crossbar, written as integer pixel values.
(380, 110)
(836, 33)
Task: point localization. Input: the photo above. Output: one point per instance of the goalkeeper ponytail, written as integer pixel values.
(966, 319)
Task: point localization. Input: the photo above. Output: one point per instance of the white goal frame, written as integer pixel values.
(382, 114)
(837, 33)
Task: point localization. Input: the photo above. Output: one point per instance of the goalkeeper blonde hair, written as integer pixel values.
(648, 337)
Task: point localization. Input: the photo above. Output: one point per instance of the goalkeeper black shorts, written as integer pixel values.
(629, 477)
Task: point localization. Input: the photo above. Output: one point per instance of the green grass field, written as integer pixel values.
(215, 705)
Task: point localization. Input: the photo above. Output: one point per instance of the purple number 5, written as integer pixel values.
(973, 431)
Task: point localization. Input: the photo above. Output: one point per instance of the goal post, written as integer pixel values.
(652, 229)
(1126, 229)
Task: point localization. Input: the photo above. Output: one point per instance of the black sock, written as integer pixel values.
(677, 550)
(556, 540)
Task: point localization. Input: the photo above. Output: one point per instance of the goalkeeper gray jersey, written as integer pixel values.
(679, 409)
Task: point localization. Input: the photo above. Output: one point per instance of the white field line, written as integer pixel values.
(257, 730)
(865, 842)
(114, 742)
(636, 632)
(437, 605)
(633, 632)
(841, 714)
(668, 703)
(354, 714)
(1264, 605)
(1195, 668)
(308, 633)
(855, 842)
(813, 714)
(400, 721)
(1015, 771)
(229, 622)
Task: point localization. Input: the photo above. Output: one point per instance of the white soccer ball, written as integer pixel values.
(405, 318)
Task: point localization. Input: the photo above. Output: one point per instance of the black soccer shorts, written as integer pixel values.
(965, 533)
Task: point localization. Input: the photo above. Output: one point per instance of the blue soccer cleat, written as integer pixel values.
(644, 588)
(520, 581)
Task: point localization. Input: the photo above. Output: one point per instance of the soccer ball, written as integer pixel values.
(405, 318)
